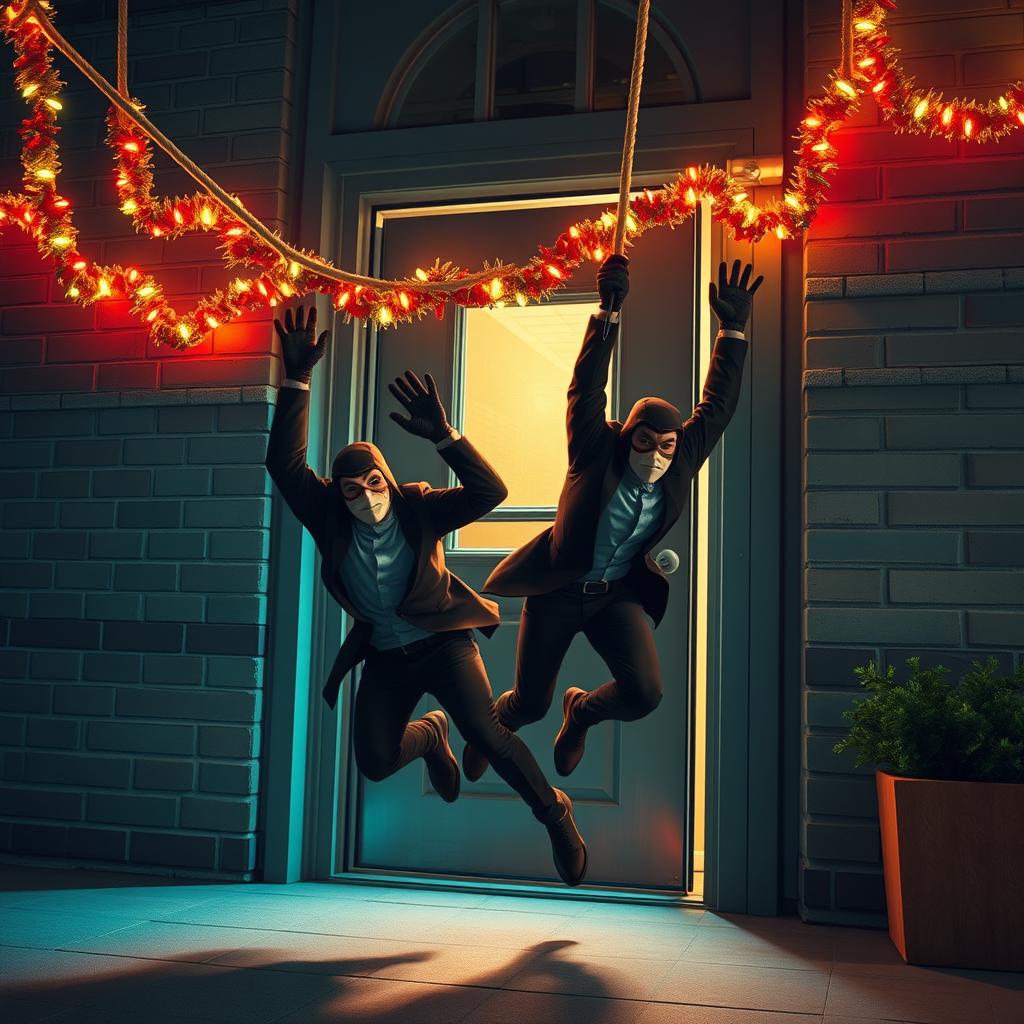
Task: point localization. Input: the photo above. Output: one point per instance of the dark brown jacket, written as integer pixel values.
(436, 599)
(598, 456)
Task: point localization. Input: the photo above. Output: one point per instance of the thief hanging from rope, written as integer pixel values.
(383, 562)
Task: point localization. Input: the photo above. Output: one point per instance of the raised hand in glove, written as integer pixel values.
(732, 299)
(298, 350)
(613, 282)
(426, 414)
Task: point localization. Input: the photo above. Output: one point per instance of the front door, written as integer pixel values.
(503, 376)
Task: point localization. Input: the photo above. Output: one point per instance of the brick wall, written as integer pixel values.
(913, 438)
(135, 505)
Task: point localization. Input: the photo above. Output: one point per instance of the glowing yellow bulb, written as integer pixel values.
(1020, 116)
(262, 289)
(968, 127)
(630, 222)
(866, 62)
(599, 253)
(879, 86)
(691, 173)
(574, 232)
(157, 232)
(30, 90)
(421, 273)
(286, 289)
(121, 182)
(920, 109)
(61, 241)
(607, 219)
(206, 216)
(54, 104)
(844, 86)
(792, 200)
(403, 299)
(151, 315)
(103, 287)
(210, 322)
(497, 288)
(129, 206)
(1003, 103)
(184, 332)
(239, 285)
(812, 122)
(821, 147)
(73, 292)
(781, 232)
(79, 265)
(947, 115)
(145, 290)
(520, 299)
(554, 271)
(739, 197)
(384, 316)
(11, 13)
(752, 215)
(691, 197)
(865, 26)
(132, 147)
(294, 269)
(178, 216)
(133, 275)
(46, 174)
(343, 300)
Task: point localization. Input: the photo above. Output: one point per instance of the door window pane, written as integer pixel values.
(517, 363)
(443, 90)
(535, 60)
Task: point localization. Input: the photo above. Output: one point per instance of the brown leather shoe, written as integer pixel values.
(442, 767)
(567, 845)
(571, 737)
(474, 763)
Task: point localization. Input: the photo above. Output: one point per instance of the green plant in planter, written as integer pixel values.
(931, 728)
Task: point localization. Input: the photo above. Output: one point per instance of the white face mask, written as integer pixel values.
(369, 506)
(653, 464)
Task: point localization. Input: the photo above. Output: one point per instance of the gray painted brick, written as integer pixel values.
(59, 733)
(882, 625)
(23, 485)
(842, 432)
(963, 374)
(213, 396)
(175, 850)
(830, 377)
(263, 393)
(851, 585)
(176, 545)
(116, 544)
(127, 421)
(174, 607)
(240, 672)
(860, 891)
(973, 508)
(844, 842)
(83, 700)
(65, 634)
(172, 670)
(227, 512)
(998, 547)
(224, 578)
(84, 575)
(113, 606)
(56, 665)
(831, 352)
(245, 609)
(24, 697)
(238, 815)
(883, 546)
(824, 709)
(164, 773)
(963, 431)
(961, 587)
(883, 469)
(250, 417)
(241, 481)
(216, 777)
(187, 420)
(26, 402)
(121, 483)
(63, 423)
(16, 543)
(13, 605)
(958, 662)
(238, 853)
(154, 451)
(78, 769)
(1000, 628)
(896, 313)
(90, 400)
(229, 741)
(149, 514)
(98, 843)
(885, 376)
(963, 280)
(64, 483)
(861, 399)
(126, 809)
(56, 606)
(854, 797)
(142, 636)
(885, 284)
(12, 731)
(15, 454)
(87, 514)
(41, 803)
(823, 287)
(97, 452)
(953, 348)
(42, 840)
(199, 705)
(1007, 396)
(145, 576)
(27, 574)
(225, 639)
(112, 668)
(141, 737)
(60, 544)
(165, 396)
(33, 514)
(183, 482)
(815, 888)
(240, 545)
(251, 448)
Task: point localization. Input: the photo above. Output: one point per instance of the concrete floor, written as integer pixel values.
(80, 946)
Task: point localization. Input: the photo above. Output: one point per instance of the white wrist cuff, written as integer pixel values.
(297, 384)
(603, 314)
(725, 332)
(450, 439)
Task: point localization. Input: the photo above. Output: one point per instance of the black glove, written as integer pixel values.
(297, 349)
(732, 300)
(613, 282)
(426, 414)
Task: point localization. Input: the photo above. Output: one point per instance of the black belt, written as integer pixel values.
(424, 643)
(593, 588)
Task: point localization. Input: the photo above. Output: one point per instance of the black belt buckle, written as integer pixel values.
(599, 586)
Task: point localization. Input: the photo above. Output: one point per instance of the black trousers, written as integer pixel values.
(448, 666)
(617, 628)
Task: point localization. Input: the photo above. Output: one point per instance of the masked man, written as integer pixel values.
(627, 485)
(383, 562)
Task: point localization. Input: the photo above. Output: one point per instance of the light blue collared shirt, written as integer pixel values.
(632, 514)
(375, 572)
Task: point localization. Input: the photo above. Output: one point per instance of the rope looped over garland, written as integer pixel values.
(284, 271)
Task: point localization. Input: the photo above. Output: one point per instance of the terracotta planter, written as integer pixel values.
(953, 854)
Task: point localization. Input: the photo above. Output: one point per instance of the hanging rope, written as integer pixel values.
(122, 47)
(632, 114)
(846, 40)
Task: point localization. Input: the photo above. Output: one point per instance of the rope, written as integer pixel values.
(846, 37)
(230, 204)
(632, 115)
(122, 47)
